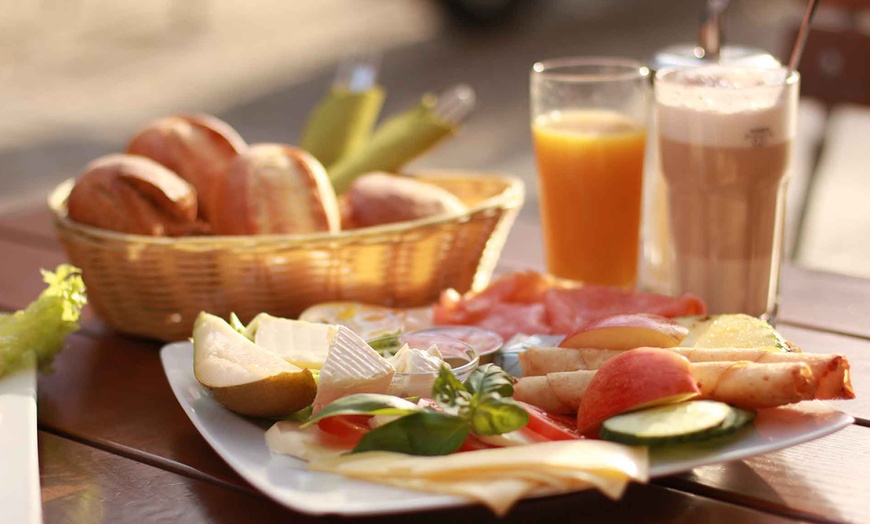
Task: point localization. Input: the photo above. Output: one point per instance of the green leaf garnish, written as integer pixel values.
(448, 391)
(365, 404)
(488, 379)
(494, 416)
(425, 433)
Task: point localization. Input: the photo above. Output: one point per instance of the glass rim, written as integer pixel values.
(559, 69)
(792, 78)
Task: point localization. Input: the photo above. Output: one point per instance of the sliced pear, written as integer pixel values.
(244, 377)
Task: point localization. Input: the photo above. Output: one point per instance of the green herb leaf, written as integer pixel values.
(424, 433)
(448, 391)
(365, 404)
(489, 379)
(494, 416)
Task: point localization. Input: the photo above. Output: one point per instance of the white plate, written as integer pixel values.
(241, 443)
(20, 498)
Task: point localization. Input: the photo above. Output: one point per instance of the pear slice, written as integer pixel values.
(244, 377)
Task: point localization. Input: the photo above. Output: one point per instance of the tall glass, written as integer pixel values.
(725, 135)
(589, 129)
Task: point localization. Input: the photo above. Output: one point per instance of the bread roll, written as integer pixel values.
(199, 148)
(275, 189)
(134, 194)
(380, 198)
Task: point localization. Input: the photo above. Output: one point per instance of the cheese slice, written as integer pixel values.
(500, 477)
(557, 457)
(304, 344)
(351, 366)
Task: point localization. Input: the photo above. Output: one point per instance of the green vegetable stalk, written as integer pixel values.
(39, 331)
(395, 143)
(341, 123)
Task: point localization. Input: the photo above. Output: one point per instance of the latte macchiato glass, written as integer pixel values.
(725, 135)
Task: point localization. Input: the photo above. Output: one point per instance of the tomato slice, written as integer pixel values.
(348, 428)
(550, 425)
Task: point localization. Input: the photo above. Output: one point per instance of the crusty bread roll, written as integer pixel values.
(134, 194)
(275, 189)
(380, 198)
(199, 148)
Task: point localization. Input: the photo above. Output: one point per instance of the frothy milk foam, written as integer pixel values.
(725, 135)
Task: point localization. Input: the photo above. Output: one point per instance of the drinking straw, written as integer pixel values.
(345, 118)
(406, 136)
(801, 41)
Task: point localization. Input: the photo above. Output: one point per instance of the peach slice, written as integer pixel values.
(627, 332)
(636, 379)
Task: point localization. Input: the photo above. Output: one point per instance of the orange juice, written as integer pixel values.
(590, 166)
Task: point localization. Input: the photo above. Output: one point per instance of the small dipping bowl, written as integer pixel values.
(461, 357)
(484, 342)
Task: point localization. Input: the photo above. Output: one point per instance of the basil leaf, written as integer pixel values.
(489, 379)
(494, 416)
(365, 404)
(448, 391)
(423, 433)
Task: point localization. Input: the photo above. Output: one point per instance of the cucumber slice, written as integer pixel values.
(670, 424)
(734, 421)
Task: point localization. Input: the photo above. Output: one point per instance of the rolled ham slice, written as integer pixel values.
(742, 384)
(753, 386)
(830, 373)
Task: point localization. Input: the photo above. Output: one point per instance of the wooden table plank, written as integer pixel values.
(20, 281)
(825, 479)
(84, 484)
(825, 301)
(858, 352)
(37, 221)
(111, 391)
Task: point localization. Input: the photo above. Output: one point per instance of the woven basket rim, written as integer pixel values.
(511, 196)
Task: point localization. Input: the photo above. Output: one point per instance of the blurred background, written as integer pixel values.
(78, 77)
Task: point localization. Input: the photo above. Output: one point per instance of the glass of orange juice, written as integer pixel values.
(589, 130)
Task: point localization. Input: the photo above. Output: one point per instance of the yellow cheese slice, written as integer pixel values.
(497, 488)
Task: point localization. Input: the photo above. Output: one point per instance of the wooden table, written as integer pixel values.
(115, 446)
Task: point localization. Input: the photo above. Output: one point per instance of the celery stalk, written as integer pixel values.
(39, 330)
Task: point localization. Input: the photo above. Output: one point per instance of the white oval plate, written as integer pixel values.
(241, 443)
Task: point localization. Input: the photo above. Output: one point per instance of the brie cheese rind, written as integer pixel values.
(351, 366)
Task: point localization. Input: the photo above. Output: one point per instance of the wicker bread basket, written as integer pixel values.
(155, 286)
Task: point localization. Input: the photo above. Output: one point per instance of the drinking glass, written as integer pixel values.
(725, 136)
(589, 130)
